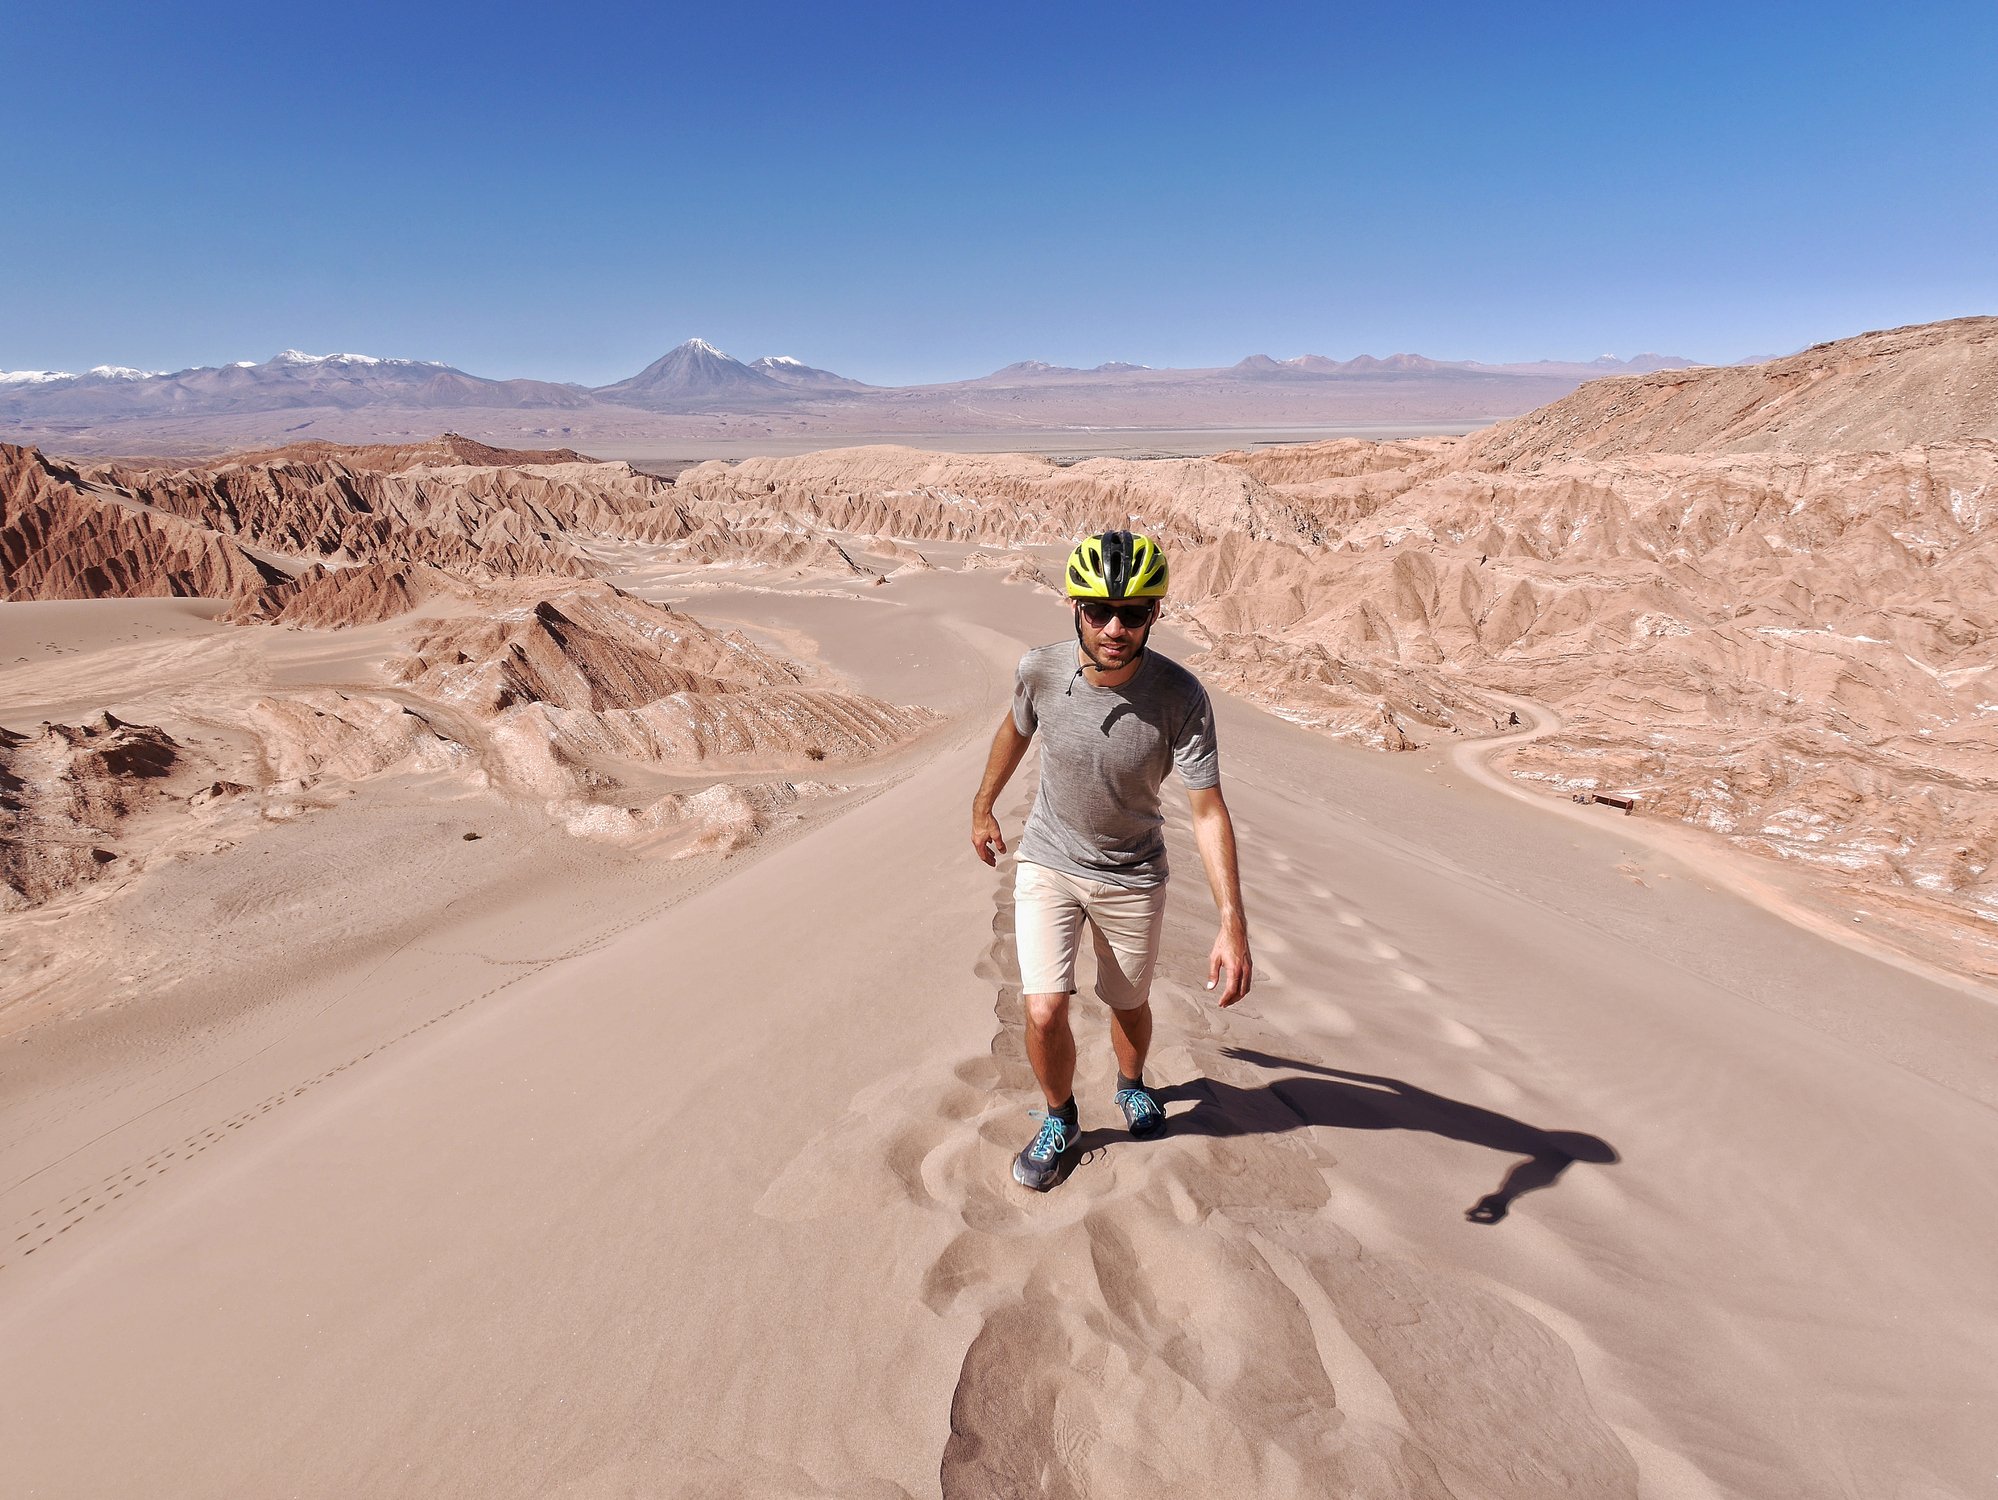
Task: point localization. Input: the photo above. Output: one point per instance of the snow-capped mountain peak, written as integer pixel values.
(96, 373)
(796, 375)
(299, 359)
(693, 371)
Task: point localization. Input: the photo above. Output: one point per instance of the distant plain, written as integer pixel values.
(1057, 443)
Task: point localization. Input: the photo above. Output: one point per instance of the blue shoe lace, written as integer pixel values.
(1140, 1108)
(1051, 1142)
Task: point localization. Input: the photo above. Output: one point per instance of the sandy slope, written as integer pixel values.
(705, 1193)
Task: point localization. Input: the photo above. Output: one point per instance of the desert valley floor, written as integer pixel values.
(524, 1165)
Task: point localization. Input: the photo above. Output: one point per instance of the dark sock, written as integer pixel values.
(1067, 1111)
(1127, 1083)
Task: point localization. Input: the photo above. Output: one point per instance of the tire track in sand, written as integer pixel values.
(43, 1227)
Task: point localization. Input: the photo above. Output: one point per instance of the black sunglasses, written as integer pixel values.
(1133, 616)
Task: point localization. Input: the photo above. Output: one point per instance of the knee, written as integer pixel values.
(1047, 1013)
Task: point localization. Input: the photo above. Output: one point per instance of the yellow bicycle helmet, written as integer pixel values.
(1116, 565)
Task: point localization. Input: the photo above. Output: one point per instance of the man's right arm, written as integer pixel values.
(1009, 747)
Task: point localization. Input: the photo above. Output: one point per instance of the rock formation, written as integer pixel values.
(517, 671)
(65, 536)
(1903, 387)
(996, 498)
(66, 793)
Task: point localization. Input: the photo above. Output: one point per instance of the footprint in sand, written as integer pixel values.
(1385, 952)
(1457, 1034)
(1415, 984)
(1269, 942)
(1351, 919)
(1330, 1019)
(1496, 1091)
(1318, 892)
(1183, 1200)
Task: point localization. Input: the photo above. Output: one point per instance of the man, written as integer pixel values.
(1112, 717)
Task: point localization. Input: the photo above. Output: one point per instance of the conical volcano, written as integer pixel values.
(694, 374)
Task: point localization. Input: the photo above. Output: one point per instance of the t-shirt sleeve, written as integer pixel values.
(1024, 718)
(1194, 750)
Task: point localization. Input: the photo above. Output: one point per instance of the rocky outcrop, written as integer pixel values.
(996, 498)
(66, 793)
(584, 648)
(777, 549)
(63, 536)
(543, 749)
(1014, 567)
(1892, 390)
(446, 450)
(323, 598)
(1337, 458)
(1380, 707)
(519, 672)
(326, 512)
(322, 536)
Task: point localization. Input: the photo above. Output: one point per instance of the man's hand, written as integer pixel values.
(1008, 746)
(1230, 966)
(986, 837)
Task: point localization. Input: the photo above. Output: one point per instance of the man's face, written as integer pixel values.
(1107, 636)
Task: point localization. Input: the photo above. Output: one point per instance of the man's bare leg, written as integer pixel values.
(1051, 1047)
(1131, 1036)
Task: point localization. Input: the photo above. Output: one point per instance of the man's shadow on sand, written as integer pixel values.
(1343, 1100)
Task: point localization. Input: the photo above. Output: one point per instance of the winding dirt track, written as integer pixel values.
(1531, 1167)
(1753, 880)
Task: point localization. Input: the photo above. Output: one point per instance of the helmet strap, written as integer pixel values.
(1082, 646)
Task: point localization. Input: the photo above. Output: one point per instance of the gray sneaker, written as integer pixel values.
(1141, 1111)
(1040, 1166)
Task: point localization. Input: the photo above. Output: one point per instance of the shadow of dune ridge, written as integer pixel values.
(1342, 1100)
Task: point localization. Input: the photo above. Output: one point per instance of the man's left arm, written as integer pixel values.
(1229, 965)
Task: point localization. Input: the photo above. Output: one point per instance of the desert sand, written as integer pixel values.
(500, 1000)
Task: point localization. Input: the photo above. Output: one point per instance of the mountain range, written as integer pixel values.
(696, 388)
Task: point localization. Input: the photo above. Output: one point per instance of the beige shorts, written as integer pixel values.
(1049, 908)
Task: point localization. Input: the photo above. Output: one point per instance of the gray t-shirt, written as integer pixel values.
(1104, 753)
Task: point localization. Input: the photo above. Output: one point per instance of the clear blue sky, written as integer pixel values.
(911, 192)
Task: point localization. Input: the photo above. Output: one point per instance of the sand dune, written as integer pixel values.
(642, 1202)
